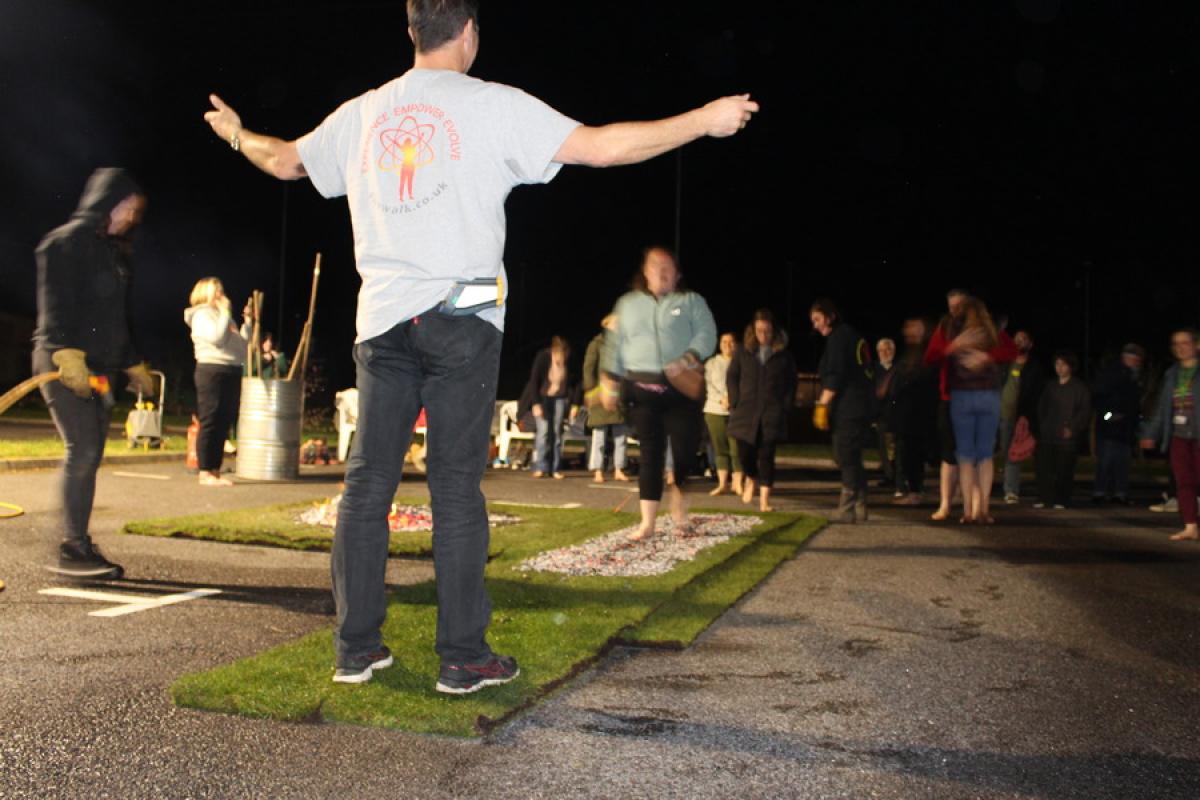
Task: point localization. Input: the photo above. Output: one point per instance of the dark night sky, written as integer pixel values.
(1023, 149)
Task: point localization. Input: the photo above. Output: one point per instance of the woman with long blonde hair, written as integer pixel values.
(973, 379)
(220, 349)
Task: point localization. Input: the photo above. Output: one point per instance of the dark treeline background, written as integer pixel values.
(1032, 151)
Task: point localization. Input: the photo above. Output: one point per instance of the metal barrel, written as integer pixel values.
(268, 431)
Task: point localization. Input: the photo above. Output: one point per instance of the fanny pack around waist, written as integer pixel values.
(470, 297)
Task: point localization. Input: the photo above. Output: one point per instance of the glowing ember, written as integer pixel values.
(401, 518)
(613, 554)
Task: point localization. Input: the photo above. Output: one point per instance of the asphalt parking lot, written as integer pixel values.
(1047, 656)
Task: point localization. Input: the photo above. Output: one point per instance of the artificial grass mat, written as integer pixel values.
(275, 526)
(554, 624)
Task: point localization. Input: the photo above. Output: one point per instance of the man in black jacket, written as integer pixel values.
(847, 403)
(1117, 400)
(83, 332)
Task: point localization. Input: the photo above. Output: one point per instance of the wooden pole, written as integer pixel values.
(249, 370)
(257, 300)
(306, 336)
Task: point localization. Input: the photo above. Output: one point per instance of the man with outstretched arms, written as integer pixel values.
(426, 162)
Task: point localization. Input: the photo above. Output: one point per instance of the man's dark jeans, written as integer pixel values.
(83, 425)
(448, 365)
(1056, 470)
(1113, 459)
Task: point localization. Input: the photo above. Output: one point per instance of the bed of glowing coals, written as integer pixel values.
(401, 518)
(613, 554)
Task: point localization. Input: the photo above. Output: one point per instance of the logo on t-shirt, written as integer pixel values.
(403, 142)
(406, 148)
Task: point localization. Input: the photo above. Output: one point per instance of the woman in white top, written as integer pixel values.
(716, 415)
(220, 353)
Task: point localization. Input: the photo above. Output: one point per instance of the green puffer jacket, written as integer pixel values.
(596, 415)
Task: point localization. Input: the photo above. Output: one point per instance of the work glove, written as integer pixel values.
(140, 379)
(821, 417)
(73, 371)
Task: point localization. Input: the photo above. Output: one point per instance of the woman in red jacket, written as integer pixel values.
(970, 348)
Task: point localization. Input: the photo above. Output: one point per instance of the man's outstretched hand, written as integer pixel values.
(224, 121)
(728, 115)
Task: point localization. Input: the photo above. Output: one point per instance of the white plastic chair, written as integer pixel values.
(346, 403)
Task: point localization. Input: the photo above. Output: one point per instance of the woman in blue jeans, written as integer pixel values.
(547, 394)
(975, 354)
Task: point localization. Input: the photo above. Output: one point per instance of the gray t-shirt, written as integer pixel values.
(426, 162)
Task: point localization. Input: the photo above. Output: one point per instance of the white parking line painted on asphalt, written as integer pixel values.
(129, 603)
(147, 475)
(536, 505)
(612, 487)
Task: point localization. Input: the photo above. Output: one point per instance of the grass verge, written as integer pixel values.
(555, 624)
(52, 447)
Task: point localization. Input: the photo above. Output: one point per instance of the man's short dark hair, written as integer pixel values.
(1069, 358)
(435, 22)
(826, 307)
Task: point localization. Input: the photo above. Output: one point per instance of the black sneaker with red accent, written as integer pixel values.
(360, 668)
(467, 678)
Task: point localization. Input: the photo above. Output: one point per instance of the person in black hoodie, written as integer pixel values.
(847, 403)
(761, 383)
(83, 331)
(1063, 414)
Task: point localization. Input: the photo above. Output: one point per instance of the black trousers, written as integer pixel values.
(1055, 467)
(849, 434)
(917, 444)
(218, 396)
(758, 459)
(83, 425)
(910, 459)
(655, 417)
